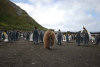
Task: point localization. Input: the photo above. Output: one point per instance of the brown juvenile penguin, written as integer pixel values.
(49, 39)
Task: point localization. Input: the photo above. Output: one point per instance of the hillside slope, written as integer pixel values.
(13, 17)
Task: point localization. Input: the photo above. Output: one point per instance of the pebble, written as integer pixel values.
(33, 63)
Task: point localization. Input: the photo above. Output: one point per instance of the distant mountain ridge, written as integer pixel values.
(13, 17)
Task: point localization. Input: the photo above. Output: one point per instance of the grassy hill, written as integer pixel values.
(13, 17)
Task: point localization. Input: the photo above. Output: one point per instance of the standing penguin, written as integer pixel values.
(59, 37)
(41, 36)
(49, 39)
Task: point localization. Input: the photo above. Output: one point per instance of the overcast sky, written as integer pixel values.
(67, 15)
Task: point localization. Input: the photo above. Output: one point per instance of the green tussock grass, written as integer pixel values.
(9, 19)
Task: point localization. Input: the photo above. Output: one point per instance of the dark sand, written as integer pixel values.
(26, 54)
